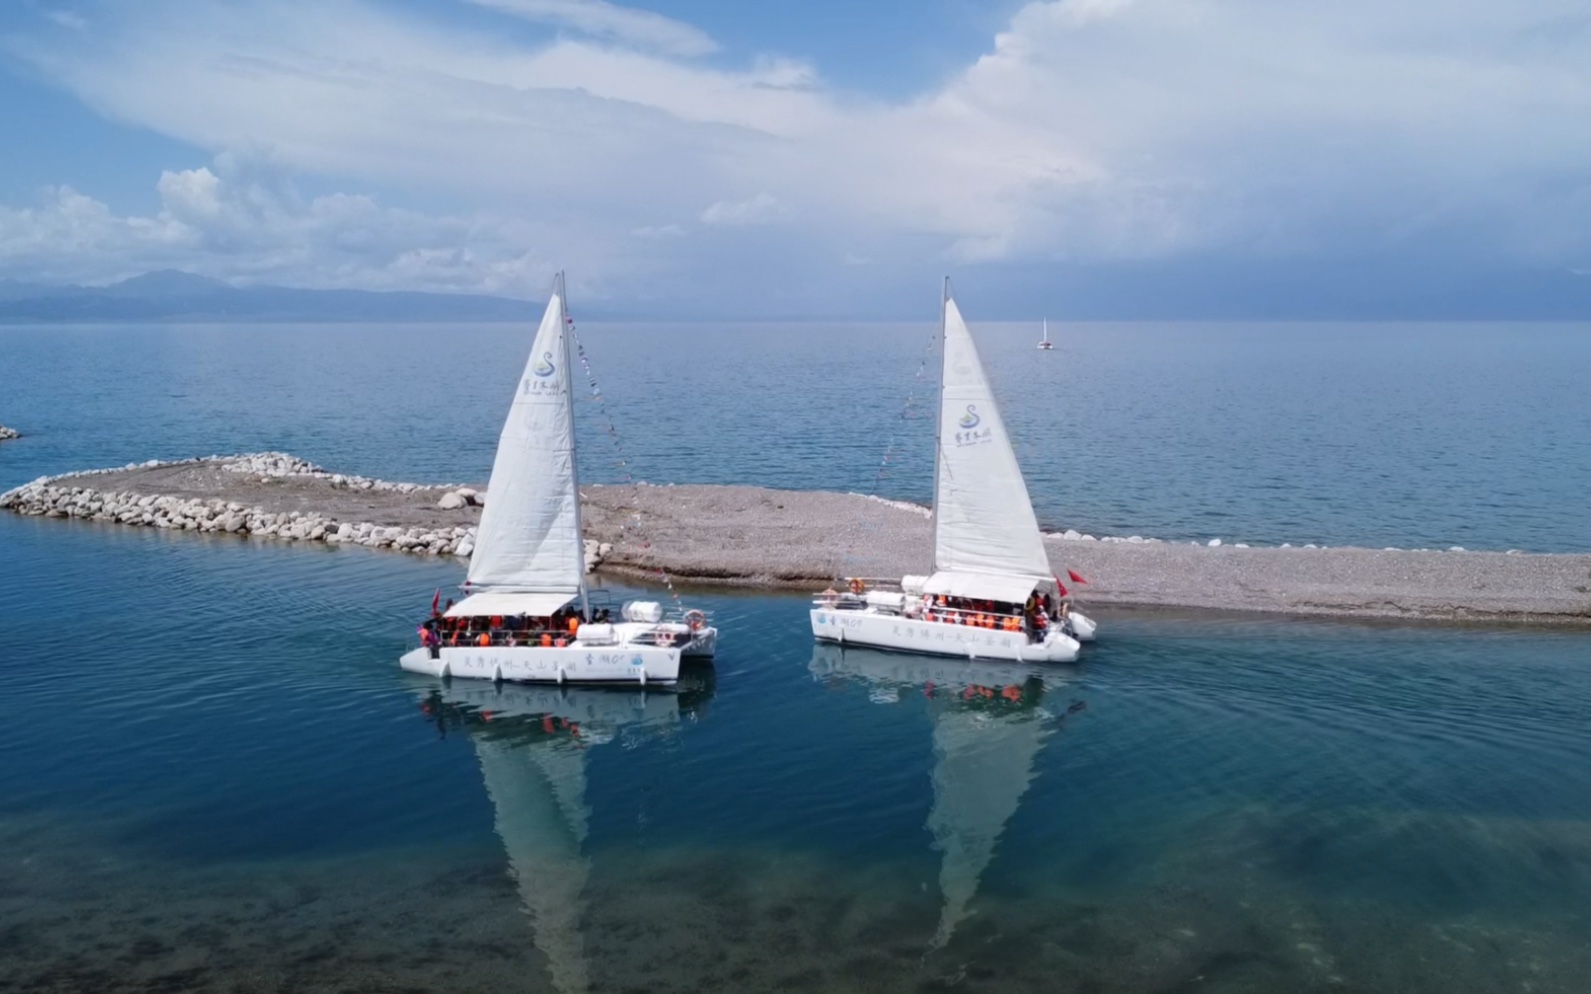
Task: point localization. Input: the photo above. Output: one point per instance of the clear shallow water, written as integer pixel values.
(215, 777)
(1375, 435)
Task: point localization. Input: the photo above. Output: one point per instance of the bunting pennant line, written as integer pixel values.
(631, 527)
(858, 532)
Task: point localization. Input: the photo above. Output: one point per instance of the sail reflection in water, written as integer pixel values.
(532, 743)
(990, 721)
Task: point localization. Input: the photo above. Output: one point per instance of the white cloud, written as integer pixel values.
(627, 25)
(659, 232)
(1090, 130)
(761, 209)
(67, 19)
(245, 222)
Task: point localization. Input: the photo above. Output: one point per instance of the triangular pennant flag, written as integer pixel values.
(1075, 578)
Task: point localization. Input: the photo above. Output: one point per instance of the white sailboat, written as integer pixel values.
(990, 721)
(1044, 343)
(527, 616)
(991, 594)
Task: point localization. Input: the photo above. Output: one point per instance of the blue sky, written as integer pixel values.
(704, 158)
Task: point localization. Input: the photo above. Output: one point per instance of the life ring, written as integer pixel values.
(857, 586)
(665, 639)
(695, 619)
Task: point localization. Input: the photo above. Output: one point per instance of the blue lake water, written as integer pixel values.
(1375, 435)
(216, 778)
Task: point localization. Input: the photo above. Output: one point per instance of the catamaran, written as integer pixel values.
(991, 594)
(1044, 343)
(527, 615)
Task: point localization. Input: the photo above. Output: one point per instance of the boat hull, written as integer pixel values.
(935, 638)
(703, 644)
(573, 663)
(1080, 626)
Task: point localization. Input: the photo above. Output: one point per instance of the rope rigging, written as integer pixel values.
(631, 524)
(909, 412)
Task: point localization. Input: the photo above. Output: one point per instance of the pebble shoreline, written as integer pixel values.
(756, 537)
(63, 497)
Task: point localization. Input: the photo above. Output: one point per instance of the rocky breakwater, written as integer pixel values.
(268, 495)
(6, 434)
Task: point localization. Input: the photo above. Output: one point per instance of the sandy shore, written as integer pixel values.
(750, 536)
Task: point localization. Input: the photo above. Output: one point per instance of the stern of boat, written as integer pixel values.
(1081, 626)
(702, 645)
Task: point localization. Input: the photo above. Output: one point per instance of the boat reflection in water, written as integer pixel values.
(990, 721)
(532, 742)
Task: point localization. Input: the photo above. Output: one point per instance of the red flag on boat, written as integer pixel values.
(436, 599)
(1075, 578)
(1061, 587)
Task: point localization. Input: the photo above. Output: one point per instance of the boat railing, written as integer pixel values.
(920, 606)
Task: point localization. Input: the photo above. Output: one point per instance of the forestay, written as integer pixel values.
(983, 519)
(529, 535)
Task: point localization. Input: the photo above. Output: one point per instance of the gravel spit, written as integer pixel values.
(755, 537)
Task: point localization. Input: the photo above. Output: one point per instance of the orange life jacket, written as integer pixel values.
(484, 640)
(546, 640)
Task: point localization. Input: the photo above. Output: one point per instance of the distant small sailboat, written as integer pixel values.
(991, 594)
(528, 615)
(1044, 343)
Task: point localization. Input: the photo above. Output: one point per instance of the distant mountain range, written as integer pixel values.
(172, 295)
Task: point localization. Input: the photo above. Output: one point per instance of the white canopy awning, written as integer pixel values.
(535, 605)
(986, 586)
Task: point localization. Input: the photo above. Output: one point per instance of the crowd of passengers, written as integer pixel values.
(1033, 618)
(558, 629)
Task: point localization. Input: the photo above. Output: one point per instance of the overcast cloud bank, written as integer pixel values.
(1149, 136)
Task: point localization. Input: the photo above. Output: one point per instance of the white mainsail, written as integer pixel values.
(983, 519)
(529, 536)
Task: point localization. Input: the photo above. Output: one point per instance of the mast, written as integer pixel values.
(939, 420)
(1046, 329)
(574, 444)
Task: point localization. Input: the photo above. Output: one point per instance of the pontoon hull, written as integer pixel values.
(935, 638)
(703, 644)
(1080, 626)
(542, 664)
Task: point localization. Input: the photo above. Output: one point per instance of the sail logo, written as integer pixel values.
(540, 384)
(969, 433)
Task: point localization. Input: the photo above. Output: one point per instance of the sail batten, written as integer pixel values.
(983, 518)
(529, 535)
